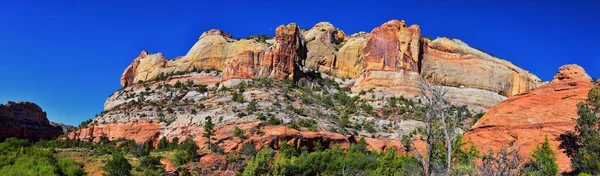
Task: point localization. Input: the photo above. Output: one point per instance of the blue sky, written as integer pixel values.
(68, 56)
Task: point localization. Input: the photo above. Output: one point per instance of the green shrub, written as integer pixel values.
(162, 143)
(248, 149)
(70, 167)
(273, 121)
(117, 166)
(252, 106)
(544, 162)
(237, 132)
(237, 97)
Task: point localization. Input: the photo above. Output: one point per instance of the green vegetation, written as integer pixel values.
(117, 166)
(209, 132)
(252, 106)
(260, 38)
(544, 162)
(19, 157)
(356, 161)
(237, 97)
(237, 132)
(583, 144)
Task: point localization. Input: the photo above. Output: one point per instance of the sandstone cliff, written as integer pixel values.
(214, 50)
(451, 62)
(393, 60)
(529, 117)
(281, 62)
(26, 120)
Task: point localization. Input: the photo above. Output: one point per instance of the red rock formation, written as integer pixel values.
(392, 47)
(141, 131)
(528, 118)
(282, 62)
(26, 120)
(143, 67)
(269, 136)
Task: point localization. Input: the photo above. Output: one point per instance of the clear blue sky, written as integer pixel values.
(68, 56)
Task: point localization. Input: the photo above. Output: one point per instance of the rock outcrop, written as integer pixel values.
(397, 60)
(214, 50)
(140, 131)
(393, 47)
(393, 59)
(451, 62)
(348, 60)
(26, 120)
(281, 62)
(529, 117)
(322, 42)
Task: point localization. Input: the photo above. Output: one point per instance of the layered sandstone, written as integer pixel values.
(528, 118)
(396, 54)
(26, 120)
(348, 59)
(141, 131)
(281, 62)
(393, 47)
(322, 42)
(214, 50)
(451, 62)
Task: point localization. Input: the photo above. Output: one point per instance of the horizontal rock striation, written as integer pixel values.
(529, 117)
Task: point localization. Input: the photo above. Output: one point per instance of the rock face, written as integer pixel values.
(393, 47)
(144, 67)
(397, 61)
(528, 118)
(214, 50)
(26, 120)
(322, 42)
(281, 62)
(393, 59)
(348, 60)
(451, 62)
(141, 131)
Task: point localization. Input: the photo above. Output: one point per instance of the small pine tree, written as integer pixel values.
(162, 144)
(190, 148)
(174, 143)
(208, 131)
(544, 162)
(117, 166)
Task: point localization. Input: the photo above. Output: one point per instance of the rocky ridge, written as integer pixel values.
(173, 98)
(26, 120)
(394, 59)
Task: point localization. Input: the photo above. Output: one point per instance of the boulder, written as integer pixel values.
(529, 117)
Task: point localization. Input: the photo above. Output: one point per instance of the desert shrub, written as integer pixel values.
(237, 132)
(252, 106)
(273, 121)
(117, 166)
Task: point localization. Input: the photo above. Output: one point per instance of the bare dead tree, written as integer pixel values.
(504, 163)
(438, 110)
